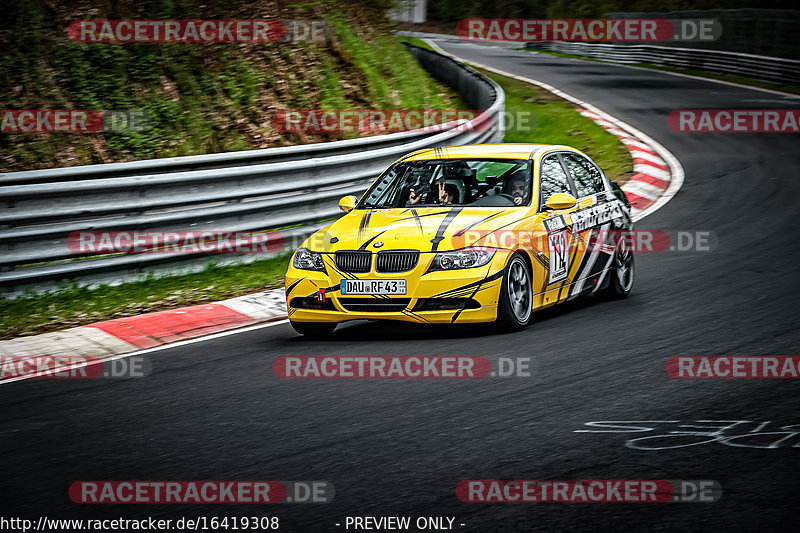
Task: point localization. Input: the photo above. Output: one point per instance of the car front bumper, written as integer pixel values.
(449, 296)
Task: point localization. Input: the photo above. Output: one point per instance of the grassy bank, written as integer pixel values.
(200, 98)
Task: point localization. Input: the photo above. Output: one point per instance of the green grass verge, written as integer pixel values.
(741, 80)
(199, 98)
(72, 305)
(557, 122)
(416, 41)
(395, 80)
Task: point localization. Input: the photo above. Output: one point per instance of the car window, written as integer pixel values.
(552, 178)
(488, 169)
(426, 183)
(587, 177)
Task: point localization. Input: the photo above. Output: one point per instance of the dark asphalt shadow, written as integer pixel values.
(395, 330)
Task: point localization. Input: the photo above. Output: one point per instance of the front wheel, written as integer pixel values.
(516, 296)
(622, 273)
(314, 329)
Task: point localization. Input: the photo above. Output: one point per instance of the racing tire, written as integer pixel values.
(515, 305)
(314, 329)
(622, 273)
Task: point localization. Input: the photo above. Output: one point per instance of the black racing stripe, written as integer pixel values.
(569, 285)
(364, 223)
(481, 221)
(293, 285)
(496, 275)
(453, 213)
(425, 215)
(412, 314)
(466, 292)
(542, 260)
(586, 254)
(458, 313)
(376, 296)
(346, 275)
(364, 246)
(417, 220)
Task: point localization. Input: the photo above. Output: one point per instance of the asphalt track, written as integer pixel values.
(215, 410)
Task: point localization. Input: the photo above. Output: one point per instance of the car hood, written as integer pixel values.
(427, 229)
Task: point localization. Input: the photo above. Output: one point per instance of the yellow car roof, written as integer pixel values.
(498, 151)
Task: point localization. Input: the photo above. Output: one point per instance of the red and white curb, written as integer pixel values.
(652, 174)
(658, 176)
(112, 338)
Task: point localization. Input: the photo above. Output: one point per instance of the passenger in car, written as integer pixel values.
(447, 194)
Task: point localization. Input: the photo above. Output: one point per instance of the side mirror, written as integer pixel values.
(348, 203)
(560, 200)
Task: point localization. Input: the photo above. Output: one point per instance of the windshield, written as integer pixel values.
(474, 182)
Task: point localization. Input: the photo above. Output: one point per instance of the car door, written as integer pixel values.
(556, 252)
(591, 222)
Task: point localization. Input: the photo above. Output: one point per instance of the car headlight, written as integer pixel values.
(305, 259)
(466, 258)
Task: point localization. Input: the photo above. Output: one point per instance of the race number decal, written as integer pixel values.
(558, 244)
(556, 223)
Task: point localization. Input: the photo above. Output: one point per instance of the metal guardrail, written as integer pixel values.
(764, 68)
(295, 187)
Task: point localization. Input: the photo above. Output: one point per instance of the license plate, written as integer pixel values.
(373, 286)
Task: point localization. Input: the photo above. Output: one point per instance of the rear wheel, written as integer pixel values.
(516, 296)
(314, 329)
(621, 282)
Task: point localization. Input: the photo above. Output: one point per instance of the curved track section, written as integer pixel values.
(215, 410)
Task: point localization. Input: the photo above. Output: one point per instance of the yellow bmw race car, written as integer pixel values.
(480, 233)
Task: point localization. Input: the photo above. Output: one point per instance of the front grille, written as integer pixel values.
(396, 261)
(374, 305)
(353, 261)
(311, 302)
(445, 304)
